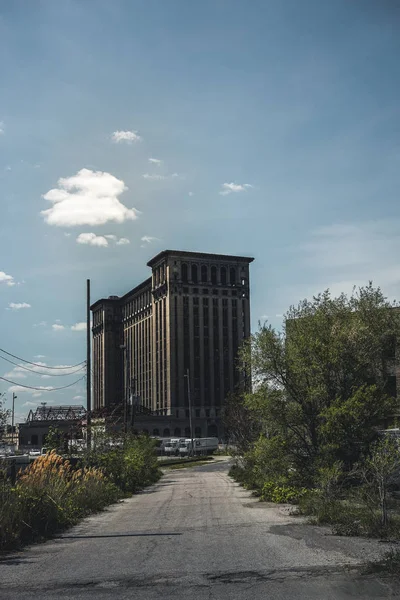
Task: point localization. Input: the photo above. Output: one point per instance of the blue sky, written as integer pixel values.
(293, 105)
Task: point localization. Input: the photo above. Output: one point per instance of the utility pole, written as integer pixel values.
(88, 369)
(14, 397)
(124, 349)
(190, 408)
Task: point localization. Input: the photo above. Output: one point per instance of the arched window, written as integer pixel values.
(204, 274)
(197, 432)
(232, 275)
(194, 274)
(223, 275)
(166, 432)
(214, 275)
(177, 432)
(156, 432)
(184, 272)
(187, 432)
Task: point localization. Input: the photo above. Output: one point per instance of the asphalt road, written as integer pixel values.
(196, 535)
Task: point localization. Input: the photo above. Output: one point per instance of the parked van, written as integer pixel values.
(200, 446)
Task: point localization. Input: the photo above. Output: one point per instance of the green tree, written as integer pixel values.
(4, 415)
(321, 385)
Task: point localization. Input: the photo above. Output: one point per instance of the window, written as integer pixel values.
(184, 272)
(187, 414)
(204, 274)
(214, 275)
(205, 291)
(156, 432)
(197, 432)
(197, 413)
(207, 412)
(187, 432)
(34, 440)
(194, 274)
(166, 432)
(223, 275)
(177, 431)
(232, 275)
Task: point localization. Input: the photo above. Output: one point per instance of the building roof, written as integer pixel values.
(131, 292)
(72, 412)
(198, 255)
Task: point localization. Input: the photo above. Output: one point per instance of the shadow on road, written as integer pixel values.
(115, 535)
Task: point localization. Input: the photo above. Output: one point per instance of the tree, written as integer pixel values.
(322, 383)
(4, 415)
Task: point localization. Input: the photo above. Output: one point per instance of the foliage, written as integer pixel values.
(48, 497)
(389, 564)
(4, 415)
(242, 426)
(321, 385)
(129, 462)
(281, 494)
(55, 440)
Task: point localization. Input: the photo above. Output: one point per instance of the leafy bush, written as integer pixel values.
(281, 494)
(49, 497)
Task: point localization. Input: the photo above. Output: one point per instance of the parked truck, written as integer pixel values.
(200, 446)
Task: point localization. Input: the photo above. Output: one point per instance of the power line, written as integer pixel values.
(43, 367)
(36, 364)
(43, 389)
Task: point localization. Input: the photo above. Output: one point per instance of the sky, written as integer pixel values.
(263, 129)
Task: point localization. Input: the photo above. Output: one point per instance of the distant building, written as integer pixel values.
(67, 419)
(192, 314)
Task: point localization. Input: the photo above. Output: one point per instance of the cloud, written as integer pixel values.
(92, 239)
(36, 394)
(159, 177)
(231, 188)
(101, 240)
(29, 403)
(79, 326)
(39, 356)
(67, 234)
(125, 136)
(155, 161)
(1, 127)
(41, 324)
(14, 374)
(87, 198)
(148, 239)
(19, 305)
(19, 389)
(78, 398)
(57, 327)
(191, 194)
(7, 279)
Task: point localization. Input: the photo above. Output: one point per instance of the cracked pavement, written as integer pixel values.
(195, 532)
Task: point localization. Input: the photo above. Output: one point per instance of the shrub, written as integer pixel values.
(281, 494)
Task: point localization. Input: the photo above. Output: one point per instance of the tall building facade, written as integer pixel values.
(189, 317)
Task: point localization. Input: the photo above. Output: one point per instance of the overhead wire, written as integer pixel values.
(43, 389)
(44, 367)
(37, 364)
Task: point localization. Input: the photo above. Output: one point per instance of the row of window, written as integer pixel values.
(215, 275)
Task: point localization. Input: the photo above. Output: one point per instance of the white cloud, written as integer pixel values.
(1, 127)
(39, 356)
(155, 161)
(87, 198)
(67, 234)
(58, 320)
(14, 374)
(153, 176)
(78, 398)
(19, 389)
(92, 239)
(41, 324)
(123, 242)
(125, 136)
(29, 403)
(19, 305)
(230, 188)
(45, 376)
(7, 168)
(148, 239)
(191, 194)
(79, 326)
(57, 327)
(101, 240)
(36, 394)
(7, 279)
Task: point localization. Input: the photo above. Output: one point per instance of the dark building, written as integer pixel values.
(66, 419)
(191, 315)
